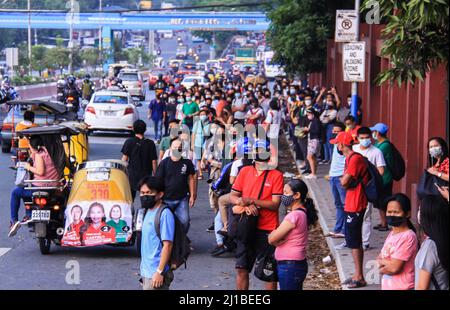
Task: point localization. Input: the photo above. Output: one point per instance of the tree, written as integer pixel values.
(57, 58)
(39, 58)
(90, 56)
(299, 32)
(416, 38)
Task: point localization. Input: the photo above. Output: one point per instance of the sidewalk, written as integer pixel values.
(320, 192)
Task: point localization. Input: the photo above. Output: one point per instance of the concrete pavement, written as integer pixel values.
(320, 192)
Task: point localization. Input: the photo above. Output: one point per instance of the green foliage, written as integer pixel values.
(57, 58)
(39, 58)
(416, 38)
(90, 56)
(299, 32)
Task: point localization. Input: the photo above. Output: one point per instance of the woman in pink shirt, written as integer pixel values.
(291, 237)
(396, 260)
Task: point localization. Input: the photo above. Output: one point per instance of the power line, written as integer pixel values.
(209, 6)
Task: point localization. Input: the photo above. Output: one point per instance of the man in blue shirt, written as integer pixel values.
(157, 113)
(336, 172)
(155, 252)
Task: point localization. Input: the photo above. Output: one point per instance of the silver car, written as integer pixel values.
(133, 82)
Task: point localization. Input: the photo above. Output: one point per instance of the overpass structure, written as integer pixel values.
(245, 21)
(109, 21)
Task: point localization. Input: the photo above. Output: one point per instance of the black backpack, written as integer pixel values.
(374, 187)
(398, 167)
(181, 243)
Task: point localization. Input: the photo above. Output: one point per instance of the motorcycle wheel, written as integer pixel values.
(138, 242)
(44, 245)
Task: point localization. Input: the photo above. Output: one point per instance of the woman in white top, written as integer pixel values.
(273, 120)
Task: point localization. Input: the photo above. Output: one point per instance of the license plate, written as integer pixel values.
(109, 113)
(40, 215)
(95, 176)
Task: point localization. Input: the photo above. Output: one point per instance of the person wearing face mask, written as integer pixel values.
(352, 127)
(257, 191)
(174, 128)
(155, 251)
(438, 158)
(171, 111)
(396, 260)
(200, 132)
(239, 108)
(300, 120)
(254, 114)
(431, 263)
(291, 237)
(178, 175)
(265, 101)
(336, 172)
(344, 110)
(375, 156)
(314, 133)
(327, 118)
(379, 132)
(355, 203)
(179, 109)
(190, 110)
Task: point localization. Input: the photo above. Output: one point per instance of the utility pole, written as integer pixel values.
(100, 37)
(151, 45)
(30, 69)
(354, 104)
(72, 11)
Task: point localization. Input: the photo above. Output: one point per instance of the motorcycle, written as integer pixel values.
(72, 103)
(49, 198)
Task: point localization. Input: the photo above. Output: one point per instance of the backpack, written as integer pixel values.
(374, 187)
(181, 243)
(398, 167)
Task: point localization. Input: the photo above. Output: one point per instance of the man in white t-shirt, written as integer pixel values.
(376, 157)
(272, 122)
(239, 108)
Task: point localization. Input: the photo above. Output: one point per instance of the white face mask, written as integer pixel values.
(308, 102)
(436, 151)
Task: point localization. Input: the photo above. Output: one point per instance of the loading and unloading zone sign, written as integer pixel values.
(354, 60)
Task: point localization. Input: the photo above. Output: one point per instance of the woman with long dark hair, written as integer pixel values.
(291, 237)
(438, 158)
(431, 262)
(396, 260)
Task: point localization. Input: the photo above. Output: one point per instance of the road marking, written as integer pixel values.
(3, 251)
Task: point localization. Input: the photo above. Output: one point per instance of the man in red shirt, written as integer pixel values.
(245, 192)
(355, 175)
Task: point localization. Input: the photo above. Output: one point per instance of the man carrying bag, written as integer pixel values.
(256, 192)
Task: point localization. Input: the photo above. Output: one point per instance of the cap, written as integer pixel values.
(343, 137)
(310, 110)
(381, 128)
(261, 144)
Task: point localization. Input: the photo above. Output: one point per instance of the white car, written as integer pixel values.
(188, 81)
(111, 110)
(196, 39)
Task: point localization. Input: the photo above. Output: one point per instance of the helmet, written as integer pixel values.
(160, 76)
(61, 84)
(88, 76)
(71, 80)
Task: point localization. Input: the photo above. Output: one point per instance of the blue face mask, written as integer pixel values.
(365, 142)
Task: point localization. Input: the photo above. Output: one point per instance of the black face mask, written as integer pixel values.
(148, 201)
(333, 136)
(340, 152)
(395, 221)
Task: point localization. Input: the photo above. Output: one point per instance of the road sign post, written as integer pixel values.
(354, 59)
(346, 26)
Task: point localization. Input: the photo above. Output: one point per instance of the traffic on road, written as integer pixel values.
(182, 169)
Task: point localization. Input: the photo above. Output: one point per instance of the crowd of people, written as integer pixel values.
(227, 131)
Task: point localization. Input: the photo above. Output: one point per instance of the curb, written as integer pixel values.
(323, 224)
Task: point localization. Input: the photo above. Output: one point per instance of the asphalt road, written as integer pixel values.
(107, 268)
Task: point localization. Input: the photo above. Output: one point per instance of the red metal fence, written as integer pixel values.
(414, 113)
